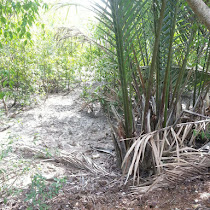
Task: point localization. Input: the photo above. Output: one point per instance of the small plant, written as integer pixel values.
(85, 92)
(36, 138)
(9, 176)
(40, 192)
(6, 148)
(203, 135)
(7, 191)
(4, 153)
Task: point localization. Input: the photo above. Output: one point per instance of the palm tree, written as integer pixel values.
(137, 37)
(153, 43)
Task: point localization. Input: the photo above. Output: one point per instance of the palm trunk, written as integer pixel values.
(122, 71)
(152, 68)
(167, 74)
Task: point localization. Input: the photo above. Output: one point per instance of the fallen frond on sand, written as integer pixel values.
(192, 165)
(84, 162)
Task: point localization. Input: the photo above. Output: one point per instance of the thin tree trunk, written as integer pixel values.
(5, 106)
(201, 10)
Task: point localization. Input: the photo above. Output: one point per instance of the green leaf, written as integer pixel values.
(28, 35)
(3, 20)
(2, 94)
(5, 34)
(26, 7)
(45, 6)
(25, 42)
(11, 35)
(5, 83)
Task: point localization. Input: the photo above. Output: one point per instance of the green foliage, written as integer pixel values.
(130, 29)
(4, 153)
(40, 192)
(16, 18)
(6, 148)
(11, 169)
(154, 53)
(203, 135)
(35, 64)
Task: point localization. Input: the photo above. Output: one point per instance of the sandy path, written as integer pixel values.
(56, 126)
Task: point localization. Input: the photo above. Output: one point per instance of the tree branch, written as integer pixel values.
(201, 10)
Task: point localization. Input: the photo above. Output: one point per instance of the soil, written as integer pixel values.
(189, 195)
(65, 124)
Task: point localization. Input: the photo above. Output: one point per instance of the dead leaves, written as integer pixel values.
(169, 146)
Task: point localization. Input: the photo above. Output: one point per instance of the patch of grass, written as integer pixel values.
(4, 153)
(40, 192)
(6, 147)
(203, 135)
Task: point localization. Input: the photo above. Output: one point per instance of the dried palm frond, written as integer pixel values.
(192, 165)
(168, 146)
(64, 33)
(67, 158)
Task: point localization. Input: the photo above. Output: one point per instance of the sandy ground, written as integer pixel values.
(63, 126)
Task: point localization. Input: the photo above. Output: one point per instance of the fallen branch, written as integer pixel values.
(4, 129)
(84, 163)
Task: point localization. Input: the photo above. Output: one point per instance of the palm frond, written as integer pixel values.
(164, 143)
(193, 164)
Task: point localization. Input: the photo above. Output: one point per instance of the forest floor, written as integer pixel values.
(65, 137)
